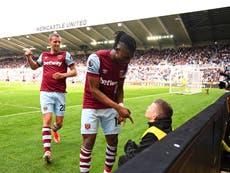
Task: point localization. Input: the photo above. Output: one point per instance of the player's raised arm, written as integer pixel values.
(28, 55)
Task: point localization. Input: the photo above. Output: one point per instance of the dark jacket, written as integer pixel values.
(131, 149)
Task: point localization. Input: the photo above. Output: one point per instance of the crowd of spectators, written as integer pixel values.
(150, 65)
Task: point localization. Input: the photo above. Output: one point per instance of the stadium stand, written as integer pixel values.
(151, 67)
(161, 32)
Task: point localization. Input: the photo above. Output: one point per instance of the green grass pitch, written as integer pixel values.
(21, 147)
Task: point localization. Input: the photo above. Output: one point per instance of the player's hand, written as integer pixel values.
(122, 118)
(58, 75)
(129, 116)
(124, 113)
(28, 53)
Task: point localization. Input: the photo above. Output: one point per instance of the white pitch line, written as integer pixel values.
(145, 96)
(24, 113)
(19, 106)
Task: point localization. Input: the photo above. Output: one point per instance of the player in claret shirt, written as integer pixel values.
(103, 99)
(53, 88)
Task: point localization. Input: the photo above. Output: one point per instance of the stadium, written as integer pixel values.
(179, 58)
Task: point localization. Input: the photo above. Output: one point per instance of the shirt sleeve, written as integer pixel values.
(68, 59)
(39, 60)
(93, 64)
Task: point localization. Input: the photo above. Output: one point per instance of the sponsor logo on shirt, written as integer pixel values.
(57, 63)
(59, 56)
(90, 63)
(104, 71)
(107, 82)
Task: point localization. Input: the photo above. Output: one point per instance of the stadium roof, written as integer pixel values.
(158, 32)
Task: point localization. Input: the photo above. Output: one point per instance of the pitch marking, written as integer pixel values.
(24, 113)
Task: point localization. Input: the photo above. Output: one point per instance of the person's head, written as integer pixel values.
(124, 48)
(54, 42)
(158, 110)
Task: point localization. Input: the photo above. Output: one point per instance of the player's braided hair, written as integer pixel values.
(121, 36)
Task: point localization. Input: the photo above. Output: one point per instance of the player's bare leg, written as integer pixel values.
(57, 125)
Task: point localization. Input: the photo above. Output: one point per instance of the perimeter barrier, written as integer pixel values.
(194, 147)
